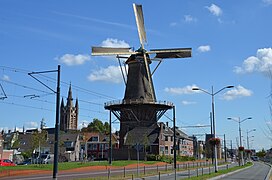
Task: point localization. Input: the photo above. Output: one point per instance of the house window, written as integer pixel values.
(161, 150)
(171, 138)
(166, 150)
(106, 146)
(82, 146)
(94, 147)
(68, 144)
(101, 147)
(94, 139)
(166, 138)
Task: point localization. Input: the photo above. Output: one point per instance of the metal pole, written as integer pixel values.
(247, 140)
(55, 166)
(110, 145)
(225, 148)
(215, 148)
(231, 150)
(211, 133)
(240, 136)
(175, 152)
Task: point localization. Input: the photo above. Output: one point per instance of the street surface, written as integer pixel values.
(189, 173)
(257, 172)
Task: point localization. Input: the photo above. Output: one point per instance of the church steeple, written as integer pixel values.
(69, 113)
(76, 105)
(70, 98)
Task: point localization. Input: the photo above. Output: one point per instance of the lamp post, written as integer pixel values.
(213, 117)
(249, 131)
(239, 121)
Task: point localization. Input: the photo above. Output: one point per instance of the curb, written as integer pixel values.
(269, 173)
(224, 175)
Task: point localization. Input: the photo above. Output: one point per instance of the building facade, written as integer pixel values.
(69, 113)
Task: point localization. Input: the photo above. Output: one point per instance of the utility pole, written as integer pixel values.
(175, 147)
(56, 142)
(225, 148)
(231, 150)
(110, 145)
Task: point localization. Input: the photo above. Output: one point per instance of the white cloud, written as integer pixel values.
(109, 74)
(71, 59)
(82, 124)
(205, 48)
(183, 90)
(262, 62)
(215, 10)
(189, 18)
(173, 24)
(188, 102)
(268, 2)
(237, 92)
(30, 125)
(5, 78)
(110, 42)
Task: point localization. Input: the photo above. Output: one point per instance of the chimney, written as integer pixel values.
(167, 124)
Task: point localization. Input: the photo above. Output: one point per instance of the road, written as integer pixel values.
(257, 172)
(189, 173)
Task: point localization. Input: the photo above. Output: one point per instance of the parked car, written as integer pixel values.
(255, 158)
(6, 162)
(25, 162)
(47, 158)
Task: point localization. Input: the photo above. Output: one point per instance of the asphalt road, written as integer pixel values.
(257, 172)
(188, 173)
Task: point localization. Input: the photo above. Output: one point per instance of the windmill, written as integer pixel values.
(139, 108)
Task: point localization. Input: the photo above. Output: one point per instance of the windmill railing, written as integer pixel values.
(137, 101)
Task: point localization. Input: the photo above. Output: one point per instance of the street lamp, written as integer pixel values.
(213, 117)
(249, 131)
(239, 121)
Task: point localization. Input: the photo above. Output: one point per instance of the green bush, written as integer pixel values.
(185, 158)
(164, 158)
(152, 157)
(168, 159)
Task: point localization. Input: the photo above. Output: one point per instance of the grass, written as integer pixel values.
(153, 173)
(221, 172)
(73, 165)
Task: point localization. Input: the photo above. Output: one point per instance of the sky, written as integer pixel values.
(231, 45)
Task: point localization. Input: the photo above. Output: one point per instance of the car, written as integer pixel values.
(25, 162)
(6, 162)
(255, 158)
(47, 158)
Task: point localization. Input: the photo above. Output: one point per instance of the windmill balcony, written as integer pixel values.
(136, 101)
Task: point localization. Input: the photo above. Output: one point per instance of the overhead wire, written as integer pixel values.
(48, 79)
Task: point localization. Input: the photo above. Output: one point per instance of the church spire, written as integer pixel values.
(70, 98)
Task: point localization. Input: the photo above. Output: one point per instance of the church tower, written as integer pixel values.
(69, 113)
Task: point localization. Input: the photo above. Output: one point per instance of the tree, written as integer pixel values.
(97, 126)
(261, 153)
(38, 139)
(129, 143)
(145, 144)
(268, 130)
